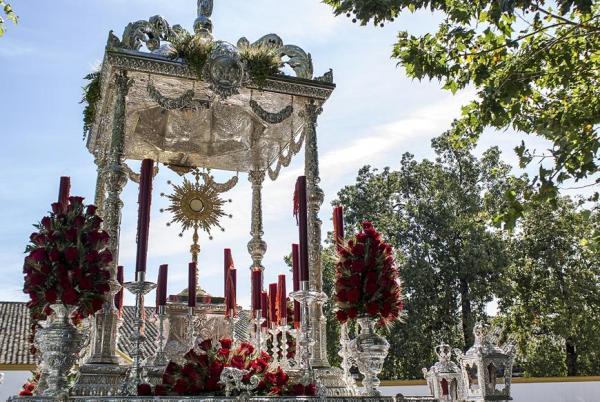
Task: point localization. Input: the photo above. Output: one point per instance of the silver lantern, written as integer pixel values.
(444, 378)
(487, 367)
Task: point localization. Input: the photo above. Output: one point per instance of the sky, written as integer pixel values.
(374, 116)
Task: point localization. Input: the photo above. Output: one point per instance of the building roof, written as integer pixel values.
(14, 332)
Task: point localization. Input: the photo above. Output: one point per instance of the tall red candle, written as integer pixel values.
(281, 298)
(303, 227)
(233, 292)
(273, 303)
(63, 192)
(144, 200)
(192, 285)
(161, 289)
(256, 289)
(264, 304)
(120, 294)
(338, 225)
(296, 281)
(227, 265)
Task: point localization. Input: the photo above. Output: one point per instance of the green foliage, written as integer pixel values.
(536, 70)
(434, 213)
(261, 60)
(552, 290)
(91, 97)
(10, 15)
(193, 49)
(328, 261)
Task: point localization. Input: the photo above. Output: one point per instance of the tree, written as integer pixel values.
(536, 68)
(552, 290)
(434, 214)
(10, 14)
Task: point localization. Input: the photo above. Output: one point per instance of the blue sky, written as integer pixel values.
(375, 115)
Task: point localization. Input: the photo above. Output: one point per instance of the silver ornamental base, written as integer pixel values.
(59, 343)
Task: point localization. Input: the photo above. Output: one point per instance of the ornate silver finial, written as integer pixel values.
(203, 24)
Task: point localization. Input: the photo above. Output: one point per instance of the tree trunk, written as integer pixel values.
(571, 358)
(467, 321)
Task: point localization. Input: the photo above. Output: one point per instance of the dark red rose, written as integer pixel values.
(54, 255)
(37, 238)
(203, 360)
(70, 296)
(181, 386)
(37, 279)
(56, 207)
(261, 386)
(47, 222)
(206, 345)
(238, 362)
(371, 287)
(355, 281)
(310, 390)
(168, 379)
(71, 253)
(50, 296)
(71, 235)
(189, 371)
(85, 283)
(342, 296)
(341, 316)
(160, 390)
(215, 369)
(90, 210)
(353, 296)
(372, 309)
(352, 313)
(212, 384)
(226, 343)
(96, 222)
(76, 200)
(38, 255)
(78, 221)
(103, 287)
(91, 256)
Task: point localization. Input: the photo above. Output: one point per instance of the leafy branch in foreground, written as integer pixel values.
(536, 70)
(10, 15)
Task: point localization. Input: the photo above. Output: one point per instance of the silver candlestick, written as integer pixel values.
(258, 321)
(139, 288)
(295, 362)
(191, 329)
(305, 343)
(274, 331)
(160, 358)
(283, 328)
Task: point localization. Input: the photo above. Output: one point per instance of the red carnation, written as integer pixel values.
(238, 362)
(282, 378)
(215, 369)
(297, 390)
(222, 352)
(247, 348)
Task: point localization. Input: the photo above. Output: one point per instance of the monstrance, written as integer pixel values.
(198, 206)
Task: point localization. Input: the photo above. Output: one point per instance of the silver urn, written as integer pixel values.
(59, 343)
(369, 351)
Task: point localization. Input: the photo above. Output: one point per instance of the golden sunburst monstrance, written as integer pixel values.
(198, 206)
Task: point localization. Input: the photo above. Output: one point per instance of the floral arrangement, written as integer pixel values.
(367, 280)
(67, 261)
(31, 384)
(203, 366)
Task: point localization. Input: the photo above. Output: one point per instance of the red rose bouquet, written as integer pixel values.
(367, 280)
(203, 366)
(67, 261)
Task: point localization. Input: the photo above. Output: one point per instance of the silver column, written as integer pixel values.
(257, 247)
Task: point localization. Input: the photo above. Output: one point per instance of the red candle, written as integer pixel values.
(282, 298)
(296, 282)
(227, 265)
(264, 304)
(144, 200)
(338, 225)
(256, 289)
(273, 303)
(161, 289)
(63, 192)
(120, 294)
(192, 285)
(233, 292)
(303, 227)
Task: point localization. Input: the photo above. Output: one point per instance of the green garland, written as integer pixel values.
(91, 97)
